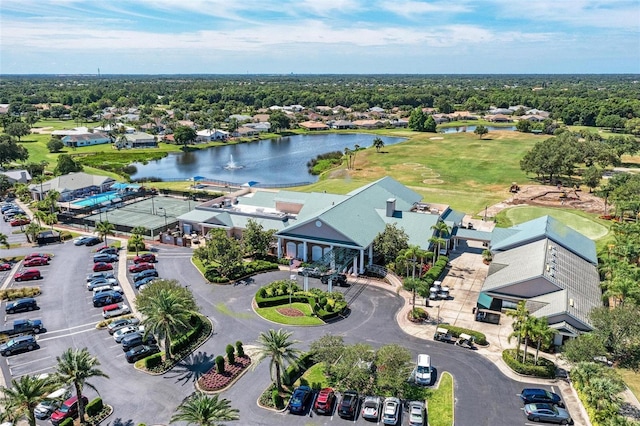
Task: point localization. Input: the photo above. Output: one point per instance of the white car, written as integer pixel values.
(100, 282)
(391, 412)
(371, 408)
(416, 413)
(107, 287)
(130, 329)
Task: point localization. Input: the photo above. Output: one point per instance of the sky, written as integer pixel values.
(319, 36)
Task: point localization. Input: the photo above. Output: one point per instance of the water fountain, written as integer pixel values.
(231, 165)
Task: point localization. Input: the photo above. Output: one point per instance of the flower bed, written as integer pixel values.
(213, 381)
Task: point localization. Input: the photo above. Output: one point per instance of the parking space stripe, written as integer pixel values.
(34, 372)
(65, 335)
(31, 362)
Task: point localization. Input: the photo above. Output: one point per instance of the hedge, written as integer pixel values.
(67, 422)
(280, 300)
(212, 274)
(153, 361)
(479, 337)
(294, 371)
(545, 368)
(94, 407)
(19, 293)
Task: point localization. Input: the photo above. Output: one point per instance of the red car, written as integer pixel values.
(68, 410)
(324, 402)
(32, 255)
(140, 267)
(102, 266)
(5, 267)
(36, 261)
(145, 257)
(19, 222)
(28, 274)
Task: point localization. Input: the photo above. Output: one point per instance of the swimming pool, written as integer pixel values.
(95, 200)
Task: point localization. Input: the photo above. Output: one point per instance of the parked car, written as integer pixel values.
(139, 267)
(533, 395)
(371, 408)
(106, 298)
(21, 305)
(549, 413)
(145, 257)
(80, 241)
(108, 250)
(28, 274)
(19, 344)
(140, 351)
(391, 411)
(300, 400)
(51, 403)
(130, 329)
(23, 326)
(324, 401)
(102, 274)
(120, 323)
(417, 414)
(99, 282)
(92, 241)
(349, 404)
(6, 207)
(310, 272)
(36, 261)
(144, 274)
(68, 410)
(43, 255)
(115, 310)
(144, 282)
(336, 279)
(108, 287)
(5, 266)
(19, 222)
(105, 257)
(136, 339)
(102, 266)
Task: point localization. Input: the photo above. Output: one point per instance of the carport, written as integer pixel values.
(460, 233)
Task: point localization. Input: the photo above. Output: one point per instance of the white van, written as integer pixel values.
(114, 310)
(423, 370)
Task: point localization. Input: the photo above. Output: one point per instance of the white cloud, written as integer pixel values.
(414, 9)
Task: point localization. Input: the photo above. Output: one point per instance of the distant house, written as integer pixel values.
(441, 118)
(400, 122)
(137, 140)
(368, 124)
(129, 117)
(342, 124)
(505, 111)
(240, 118)
(313, 125)
(71, 186)
(377, 110)
(260, 118)
(86, 139)
(260, 127)
(69, 132)
(533, 118)
(209, 135)
(19, 176)
(244, 131)
(499, 118)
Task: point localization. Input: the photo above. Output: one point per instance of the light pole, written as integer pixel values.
(166, 226)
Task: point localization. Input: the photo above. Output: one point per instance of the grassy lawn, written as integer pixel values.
(441, 402)
(314, 377)
(631, 379)
(273, 315)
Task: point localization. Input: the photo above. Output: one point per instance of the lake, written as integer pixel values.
(281, 161)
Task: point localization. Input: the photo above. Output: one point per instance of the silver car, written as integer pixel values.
(549, 413)
(417, 413)
(391, 411)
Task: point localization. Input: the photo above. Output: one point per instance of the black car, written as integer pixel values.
(108, 250)
(144, 274)
(18, 344)
(136, 339)
(105, 257)
(336, 279)
(21, 305)
(140, 351)
(349, 404)
(144, 281)
(96, 275)
(92, 241)
(534, 395)
(106, 298)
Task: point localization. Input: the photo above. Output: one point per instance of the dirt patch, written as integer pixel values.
(290, 312)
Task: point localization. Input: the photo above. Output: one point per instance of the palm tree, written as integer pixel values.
(167, 308)
(204, 410)
(103, 229)
(347, 153)
(378, 144)
(24, 394)
(21, 217)
(526, 330)
(520, 315)
(541, 333)
(137, 241)
(139, 230)
(75, 366)
(4, 241)
(52, 198)
(31, 232)
(40, 216)
(441, 230)
(277, 346)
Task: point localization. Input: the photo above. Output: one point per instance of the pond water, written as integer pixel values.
(472, 128)
(281, 161)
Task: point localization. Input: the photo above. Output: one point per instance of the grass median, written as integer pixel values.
(271, 313)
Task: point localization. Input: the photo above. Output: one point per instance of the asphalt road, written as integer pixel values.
(483, 395)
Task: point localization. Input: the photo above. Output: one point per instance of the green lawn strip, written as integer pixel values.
(314, 377)
(441, 402)
(273, 315)
(631, 379)
(224, 309)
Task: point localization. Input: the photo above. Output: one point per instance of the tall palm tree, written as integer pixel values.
(40, 216)
(378, 144)
(52, 198)
(136, 241)
(31, 232)
(167, 308)
(4, 241)
(541, 334)
(277, 345)
(205, 410)
(76, 366)
(519, 316)
(24, 394)
(105, 228)
(526, 331)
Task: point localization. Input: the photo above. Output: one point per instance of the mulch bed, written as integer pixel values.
(213, 381)
(290, 312)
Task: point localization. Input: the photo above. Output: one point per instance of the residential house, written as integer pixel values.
(86, 139)
(244, 132)
(240, 118)
(313, 125)
(342, 124)
(368, 124)
(261, 118)
(210, 135)
(499, 118)
(136, 140)
(17, 176)
(260, 127)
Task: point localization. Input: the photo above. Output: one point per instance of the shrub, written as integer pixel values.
(239, 348)
(220, 364)
(276, 398)
(94, 407)
(294, 371)
(67, 422)
(152, 361)
(545, 368)
(230, 354)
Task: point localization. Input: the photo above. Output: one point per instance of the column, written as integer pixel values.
(279, 248)
(355, 265)
(371, 255)
(361, 261)
(305, 249)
